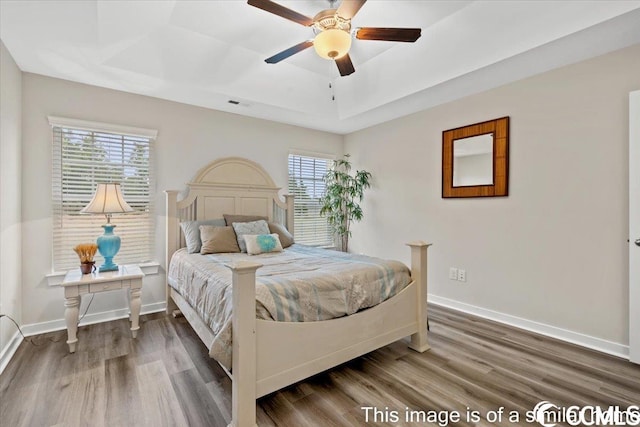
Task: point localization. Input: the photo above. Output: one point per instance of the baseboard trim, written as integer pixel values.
(9, 350)
(89, 319)
(612, 348)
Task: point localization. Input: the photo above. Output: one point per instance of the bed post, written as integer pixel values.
(289, 200)
(244, 359)
(419, 274)
(171, 238)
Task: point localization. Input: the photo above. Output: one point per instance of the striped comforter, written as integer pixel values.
(301, 284)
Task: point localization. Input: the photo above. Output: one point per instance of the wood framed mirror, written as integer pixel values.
(475, 160)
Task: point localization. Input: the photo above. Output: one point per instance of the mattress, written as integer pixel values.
(301, 284)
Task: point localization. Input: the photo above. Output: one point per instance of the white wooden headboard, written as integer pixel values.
(230, 185)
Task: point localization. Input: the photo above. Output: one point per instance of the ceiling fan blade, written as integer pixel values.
(345, 66)
(389, 34)
(288, 52)
(282, 11)
(349, 8)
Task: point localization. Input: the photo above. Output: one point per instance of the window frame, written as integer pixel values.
(319, 239)
(129, 223)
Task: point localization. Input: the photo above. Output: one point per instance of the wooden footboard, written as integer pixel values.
(270, 355)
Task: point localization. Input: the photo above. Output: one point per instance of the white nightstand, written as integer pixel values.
(77, 284)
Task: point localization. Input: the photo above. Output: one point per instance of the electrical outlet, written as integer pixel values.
(462, 275)
(453, 273)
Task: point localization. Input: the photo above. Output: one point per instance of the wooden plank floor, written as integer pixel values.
(165, 378)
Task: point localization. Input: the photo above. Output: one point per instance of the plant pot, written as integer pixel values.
(88, 267)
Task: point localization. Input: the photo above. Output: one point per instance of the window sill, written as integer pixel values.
(148, 268)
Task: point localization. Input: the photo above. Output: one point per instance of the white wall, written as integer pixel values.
(10, 182)
(188, 138)
(554, 251)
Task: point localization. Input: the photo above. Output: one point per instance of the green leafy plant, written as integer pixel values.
(340, 203)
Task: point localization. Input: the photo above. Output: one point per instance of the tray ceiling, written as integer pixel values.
(206, 53)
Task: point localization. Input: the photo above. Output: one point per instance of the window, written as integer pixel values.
(85, 154)
(306, 183)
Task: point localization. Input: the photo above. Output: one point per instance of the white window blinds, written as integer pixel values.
(82, 158)
(306, 183)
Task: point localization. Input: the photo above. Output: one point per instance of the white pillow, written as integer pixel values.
(262, 243)
(244, 228)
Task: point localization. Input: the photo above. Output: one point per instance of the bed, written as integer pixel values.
(295, 349)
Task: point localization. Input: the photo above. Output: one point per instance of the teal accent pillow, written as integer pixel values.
(266, 242)
(262, 243)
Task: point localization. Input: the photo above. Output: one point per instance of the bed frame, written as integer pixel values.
(268, 355)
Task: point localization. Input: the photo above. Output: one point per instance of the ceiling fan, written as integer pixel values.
(333, 32)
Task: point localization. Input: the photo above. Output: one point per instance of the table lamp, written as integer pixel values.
(107, 201)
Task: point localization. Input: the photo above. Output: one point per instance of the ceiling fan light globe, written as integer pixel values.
(332, 43)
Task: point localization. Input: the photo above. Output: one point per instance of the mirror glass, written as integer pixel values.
(473, 161)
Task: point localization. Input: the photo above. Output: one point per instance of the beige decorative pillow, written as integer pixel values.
(218, 240)
(262, 243)
(285, 237)
(230, 219)
(191, 232)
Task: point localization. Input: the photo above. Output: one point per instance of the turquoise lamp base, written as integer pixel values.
(108, 246)
(108, 266)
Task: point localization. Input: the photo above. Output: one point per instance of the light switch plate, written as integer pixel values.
(462, 275)
(453, 273)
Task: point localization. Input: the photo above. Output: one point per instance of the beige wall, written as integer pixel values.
(555, 250)
(188, 138)
(10, 182)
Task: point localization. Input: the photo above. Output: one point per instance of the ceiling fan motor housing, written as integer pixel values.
(329, 19)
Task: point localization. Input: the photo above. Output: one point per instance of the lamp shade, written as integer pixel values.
(107, 200)
(332, 43)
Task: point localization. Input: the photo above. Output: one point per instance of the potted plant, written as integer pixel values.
(342, 195)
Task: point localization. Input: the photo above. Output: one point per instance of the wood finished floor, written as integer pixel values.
(165, 378)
